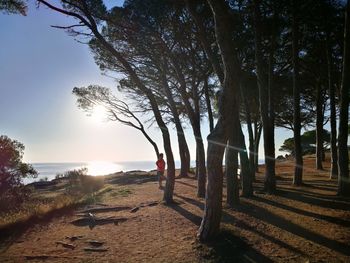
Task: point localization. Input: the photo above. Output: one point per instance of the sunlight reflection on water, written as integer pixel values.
(102, 168)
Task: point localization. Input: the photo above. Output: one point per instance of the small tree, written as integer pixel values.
(308, 142)
(12, 171)
(116, 109)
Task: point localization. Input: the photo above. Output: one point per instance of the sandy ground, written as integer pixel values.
(299, 224)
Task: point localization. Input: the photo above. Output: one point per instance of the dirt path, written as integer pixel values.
(303, 224)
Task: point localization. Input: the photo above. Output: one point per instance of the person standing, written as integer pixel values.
(160, 169)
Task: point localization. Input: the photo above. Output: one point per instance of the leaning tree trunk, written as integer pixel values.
(170, 179)
(319, 127)
(127, 67)
(183, 147)
(195, 123)
(228, 104)
(343, 161)
(333, 114)
(149, 139)
(298, 170)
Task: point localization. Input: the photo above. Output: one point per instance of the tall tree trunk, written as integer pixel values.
(333, 113)
(271, 163)
(319, 127)
(246, 174)
(257, 136)
(228, 105)
(250, 134)
(231, 164)
(183, 147)
(201, 179)
(194, 117)
(207, 99)
(269, 144)
(298, 170)
(343, 161)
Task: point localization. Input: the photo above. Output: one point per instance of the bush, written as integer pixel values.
(78, 180)
(12, 171)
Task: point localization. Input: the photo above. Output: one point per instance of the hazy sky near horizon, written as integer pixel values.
(39, 66)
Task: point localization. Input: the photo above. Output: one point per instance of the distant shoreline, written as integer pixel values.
(48, 171)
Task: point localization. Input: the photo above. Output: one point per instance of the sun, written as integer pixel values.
(99, 113)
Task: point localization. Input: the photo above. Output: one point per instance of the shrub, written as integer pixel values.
(78, 180)
(12, 171)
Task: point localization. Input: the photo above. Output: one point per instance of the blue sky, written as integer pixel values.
(39, 66)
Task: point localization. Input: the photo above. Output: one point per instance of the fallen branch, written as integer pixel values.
(73, 238)
(88, 221)
(95, 249)
(95, 243)
(66, 245)
(136, 208)
(37, 257)
(105, 209)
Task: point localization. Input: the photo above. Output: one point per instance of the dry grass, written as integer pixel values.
(64, 195)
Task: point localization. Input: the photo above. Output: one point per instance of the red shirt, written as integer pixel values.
(160, 165)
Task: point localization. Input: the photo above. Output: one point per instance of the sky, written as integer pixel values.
(39, 67)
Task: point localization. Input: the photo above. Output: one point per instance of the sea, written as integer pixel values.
(48, 171)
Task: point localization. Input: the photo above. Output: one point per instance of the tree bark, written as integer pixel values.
(333, 113)
(156, 150)
(228, 105)
(246, 174)
(298, 170)
(343, 161)
(183, 147)
(194, 117)
(268, 129)
(207, 100)
(231, 164)
(319, 127)
(257, 136)
(250, 135)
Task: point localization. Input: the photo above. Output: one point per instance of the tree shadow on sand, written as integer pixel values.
(284, 224)
(329, 219)
(226, 247)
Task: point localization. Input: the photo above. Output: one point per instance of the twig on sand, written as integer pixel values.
(73, 238)
(136, 208)
(30, 257)
(96, 249)
(95, 243)
(66, 245)
(105, 209)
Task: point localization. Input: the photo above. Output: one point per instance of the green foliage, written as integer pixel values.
(12, 171)
(13, 7)
(308, 142)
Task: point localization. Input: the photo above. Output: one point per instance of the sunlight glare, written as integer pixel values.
(99, 113)
(102, 168)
